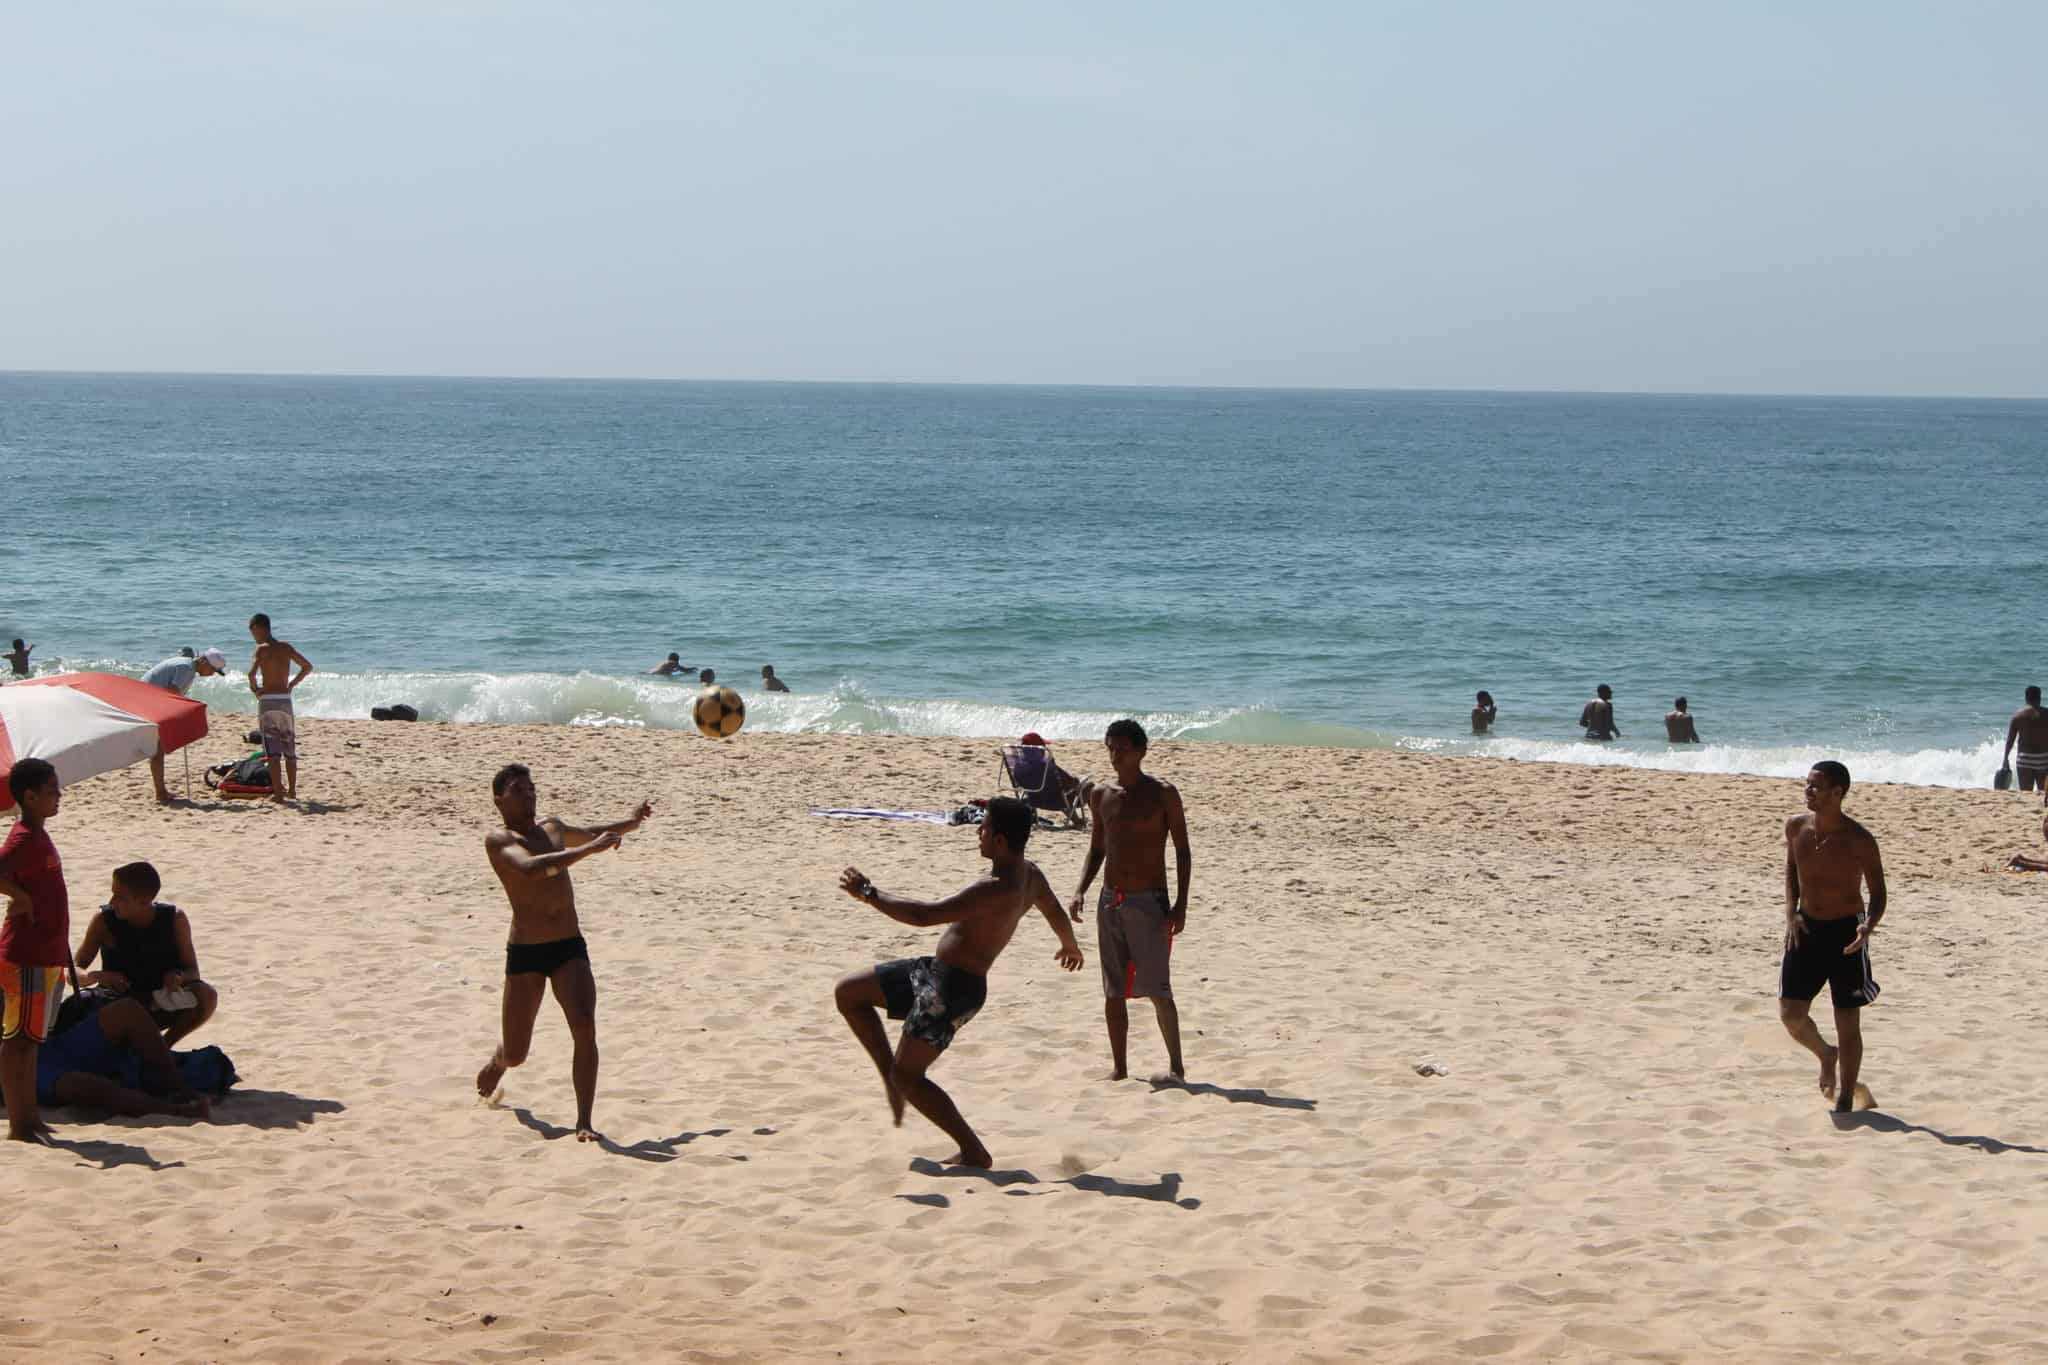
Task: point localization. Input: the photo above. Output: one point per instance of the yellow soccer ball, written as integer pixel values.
(719, 712)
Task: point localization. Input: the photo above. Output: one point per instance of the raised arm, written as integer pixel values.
(1183, 859)
(1092, 864)
(969, 900)
(509, 855)
(1048, 903)
(575, 836)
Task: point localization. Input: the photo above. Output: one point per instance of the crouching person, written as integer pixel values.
(149, 955)
(84, 1067)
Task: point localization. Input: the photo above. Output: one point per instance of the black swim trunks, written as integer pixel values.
(544, 958)
(1819, 959)
(932, 999)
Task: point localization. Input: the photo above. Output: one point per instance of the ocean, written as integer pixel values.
(1842, 577)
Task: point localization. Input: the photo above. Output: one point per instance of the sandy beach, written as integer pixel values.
(1626, 1160)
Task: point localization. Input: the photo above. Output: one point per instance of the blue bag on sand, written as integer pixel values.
(206, 1069)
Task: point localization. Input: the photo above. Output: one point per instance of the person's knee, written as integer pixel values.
(855, 992)
(1792, 1013)
(903, 1075)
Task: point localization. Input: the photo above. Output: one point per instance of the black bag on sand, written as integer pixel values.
(399, 712)
(2002, 779)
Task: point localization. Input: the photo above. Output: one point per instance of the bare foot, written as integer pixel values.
(1827, 1073)
(163, 798)
(1169, 1077)
(198, 1107)
(585, 1133)
(1116, 1075)
(487, 1079)
(39, 1136)
(978, 1158)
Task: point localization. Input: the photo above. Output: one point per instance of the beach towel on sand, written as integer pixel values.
(922, 817)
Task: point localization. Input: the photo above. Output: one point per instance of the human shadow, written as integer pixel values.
(107, 1155)
(647, 1149)
(1165, 1190)
(271, 1109)
(1877, 1121)
(1260, 1097)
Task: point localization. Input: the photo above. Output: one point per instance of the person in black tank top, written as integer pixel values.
(149, 955)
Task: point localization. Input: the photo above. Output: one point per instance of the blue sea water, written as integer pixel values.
(1850, 577)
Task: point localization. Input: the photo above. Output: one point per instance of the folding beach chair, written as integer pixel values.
(1035, 778)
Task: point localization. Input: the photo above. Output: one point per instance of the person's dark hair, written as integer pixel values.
(1836, 774)
(1486, 698)
(1679, 704)
(675, 658)
(1012, 819)
(261, 618)
(1130, 730)
(1604, 692)
(505, 775)
(767, 670)
(140, 878)
(17, 642)
(28, 774)
(2033, 693)
(707, 675)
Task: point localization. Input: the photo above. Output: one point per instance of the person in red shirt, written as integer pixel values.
(35, 942)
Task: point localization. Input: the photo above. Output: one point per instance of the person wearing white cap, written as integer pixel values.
(177, 674)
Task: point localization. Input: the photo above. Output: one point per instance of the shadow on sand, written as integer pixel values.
(647, 1149)
(107, 1155)
(1165, 1190)
(1877, 1121)
(271, 1109)
(1262, 1097)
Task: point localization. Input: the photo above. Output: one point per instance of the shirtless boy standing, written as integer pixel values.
(532, 859)
(272, 680)
(1133, 818)
(935, 996)
(1829, 858)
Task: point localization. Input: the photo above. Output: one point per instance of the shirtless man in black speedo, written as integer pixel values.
(532, 859)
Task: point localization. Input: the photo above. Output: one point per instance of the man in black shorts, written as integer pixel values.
(1829, 859)
(936, 996)
(532, 859)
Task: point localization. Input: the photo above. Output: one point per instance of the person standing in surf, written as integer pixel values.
(1678, 724)
(1484, 713)
(1596, 718)
(2029, 729)
(1130, 821)
(532, 858)
(1829, 859)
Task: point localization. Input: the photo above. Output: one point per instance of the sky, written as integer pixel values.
(1738, 197)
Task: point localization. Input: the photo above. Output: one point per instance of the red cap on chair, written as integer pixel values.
(1033, 737)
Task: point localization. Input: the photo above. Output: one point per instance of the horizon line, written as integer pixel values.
(1026, 384)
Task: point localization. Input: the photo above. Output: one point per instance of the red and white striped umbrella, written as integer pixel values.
(86, 724)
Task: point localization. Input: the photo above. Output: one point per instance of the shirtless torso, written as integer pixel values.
(2029, 730)
(1597, 719)
(1679, 728)
(543, 908)
(270, 672)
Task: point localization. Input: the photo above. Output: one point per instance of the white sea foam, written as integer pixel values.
(600, 700)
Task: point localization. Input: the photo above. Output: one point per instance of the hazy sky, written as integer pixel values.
(1757, 197)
